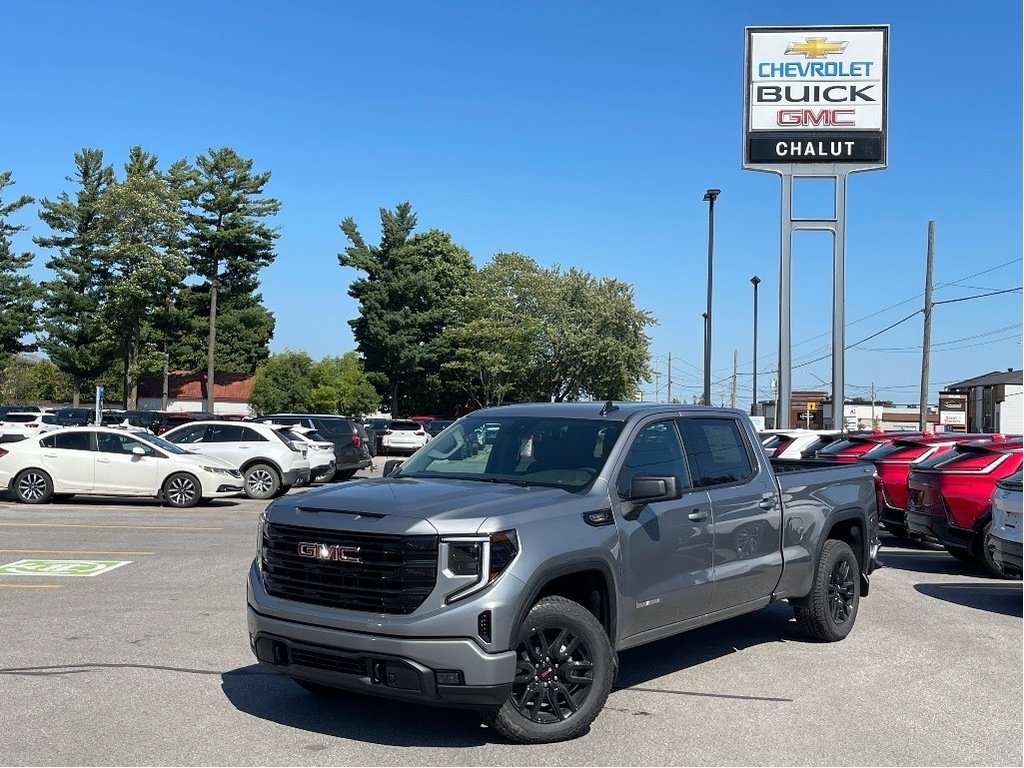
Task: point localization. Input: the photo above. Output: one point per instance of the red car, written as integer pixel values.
(949, 495)
(854, 445)
(893, 462)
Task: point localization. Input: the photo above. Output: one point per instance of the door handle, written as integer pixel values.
(698, 515)
(103, 461)
(767, 501)
(50, 455)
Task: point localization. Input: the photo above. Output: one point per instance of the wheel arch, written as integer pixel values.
(849, 525)
(588, 582)
(249, 463)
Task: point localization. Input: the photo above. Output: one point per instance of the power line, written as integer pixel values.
(978, 296)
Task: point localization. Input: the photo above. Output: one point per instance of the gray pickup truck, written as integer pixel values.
(504, 565)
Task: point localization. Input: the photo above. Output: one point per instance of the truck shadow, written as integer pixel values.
(773, 624)
(270, 696)
(996, 597)
(274, 697)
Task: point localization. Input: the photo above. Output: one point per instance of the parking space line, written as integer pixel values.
(75, 552)
(125, 527)
(30, 586)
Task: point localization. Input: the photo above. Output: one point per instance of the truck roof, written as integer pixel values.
(613, 411)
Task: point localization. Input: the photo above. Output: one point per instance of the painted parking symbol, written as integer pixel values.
(60, 567)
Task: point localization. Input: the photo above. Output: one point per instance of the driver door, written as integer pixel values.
(667, 550)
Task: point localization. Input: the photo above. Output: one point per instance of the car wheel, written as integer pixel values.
(963, 554)
(33, 486)
(829, 611)
(261, 481)
(565, 667)
(181, 490)
(985, 557)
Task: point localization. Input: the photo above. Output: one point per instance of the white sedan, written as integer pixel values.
(112, 462)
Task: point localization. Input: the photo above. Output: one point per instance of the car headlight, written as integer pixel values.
(480, 558)
(222, 471)
(261, 524)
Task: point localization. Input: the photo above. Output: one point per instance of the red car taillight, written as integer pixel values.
(421, 433)
(357, 442)
(3, 453)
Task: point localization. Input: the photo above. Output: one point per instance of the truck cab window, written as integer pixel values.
(718, 450)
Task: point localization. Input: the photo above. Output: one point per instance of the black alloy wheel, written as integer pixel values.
(842, 591)
(829, 611)
(565, 667)
(554, 675)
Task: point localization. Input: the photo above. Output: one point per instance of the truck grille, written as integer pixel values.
(388, 574)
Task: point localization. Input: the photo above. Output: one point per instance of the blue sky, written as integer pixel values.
(580, 133)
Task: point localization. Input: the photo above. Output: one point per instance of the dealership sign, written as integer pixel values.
(815, 95)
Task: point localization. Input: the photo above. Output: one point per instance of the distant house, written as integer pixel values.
(994, 401)
(187, 392)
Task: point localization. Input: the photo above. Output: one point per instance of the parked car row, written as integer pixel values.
(960, 490)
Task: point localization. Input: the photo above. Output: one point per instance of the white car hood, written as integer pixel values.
(205, 460)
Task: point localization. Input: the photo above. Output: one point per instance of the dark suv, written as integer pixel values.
(351, 443)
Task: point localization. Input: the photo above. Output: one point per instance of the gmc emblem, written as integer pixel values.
(329, 552)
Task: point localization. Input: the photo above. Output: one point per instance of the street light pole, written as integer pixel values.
(709, 197)
(755, 280)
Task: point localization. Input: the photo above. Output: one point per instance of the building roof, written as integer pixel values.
(990, 379)
(184, 385)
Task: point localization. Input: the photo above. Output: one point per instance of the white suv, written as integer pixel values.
(320, 453)
(270, 463)
(17, 425)
(405, 436)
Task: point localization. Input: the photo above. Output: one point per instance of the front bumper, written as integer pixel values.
(452, 672)
(1006, 554)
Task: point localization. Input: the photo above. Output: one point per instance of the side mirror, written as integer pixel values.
(649, 489)
(390, 466)
(138, 451)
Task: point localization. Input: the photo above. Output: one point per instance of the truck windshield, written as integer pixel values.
(556, 452)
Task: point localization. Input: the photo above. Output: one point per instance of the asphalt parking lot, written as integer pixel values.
(149, 663)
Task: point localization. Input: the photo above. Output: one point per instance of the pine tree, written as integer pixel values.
(18, 293)
(76, 341)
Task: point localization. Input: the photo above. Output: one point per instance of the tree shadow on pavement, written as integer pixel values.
(995, 597)
(268, 695)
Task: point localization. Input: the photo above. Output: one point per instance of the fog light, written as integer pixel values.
(448, 676)
(483, 626)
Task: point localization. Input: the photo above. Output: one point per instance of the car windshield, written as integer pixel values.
(522, 450)
(160, 443)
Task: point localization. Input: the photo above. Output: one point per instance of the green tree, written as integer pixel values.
(283, 383)
(412, 290)
(341, 386)
(497, 342)
(18, 293)
(532, 333)
(75, 338)
(227, 244)
(141, 221)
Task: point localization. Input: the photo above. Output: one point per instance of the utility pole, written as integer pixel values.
(872, 405)
(657, 386)
(922, 421)
(735, 358)
(669, 399)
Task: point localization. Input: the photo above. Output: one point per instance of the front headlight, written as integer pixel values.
(478, 559)
(261, 523)
(222, 471)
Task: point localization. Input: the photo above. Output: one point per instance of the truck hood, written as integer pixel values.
(412, 505)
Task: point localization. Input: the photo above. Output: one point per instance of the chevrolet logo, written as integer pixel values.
(816, 47)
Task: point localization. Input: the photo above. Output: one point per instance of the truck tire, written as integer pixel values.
(564, 671)
(829, 611)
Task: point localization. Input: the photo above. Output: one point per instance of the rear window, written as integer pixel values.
(775, 441)
(844, 445)
(20, 418)
(962, 459)
(896, 451)
(816, 446)
(332, 427)
(406, 426)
